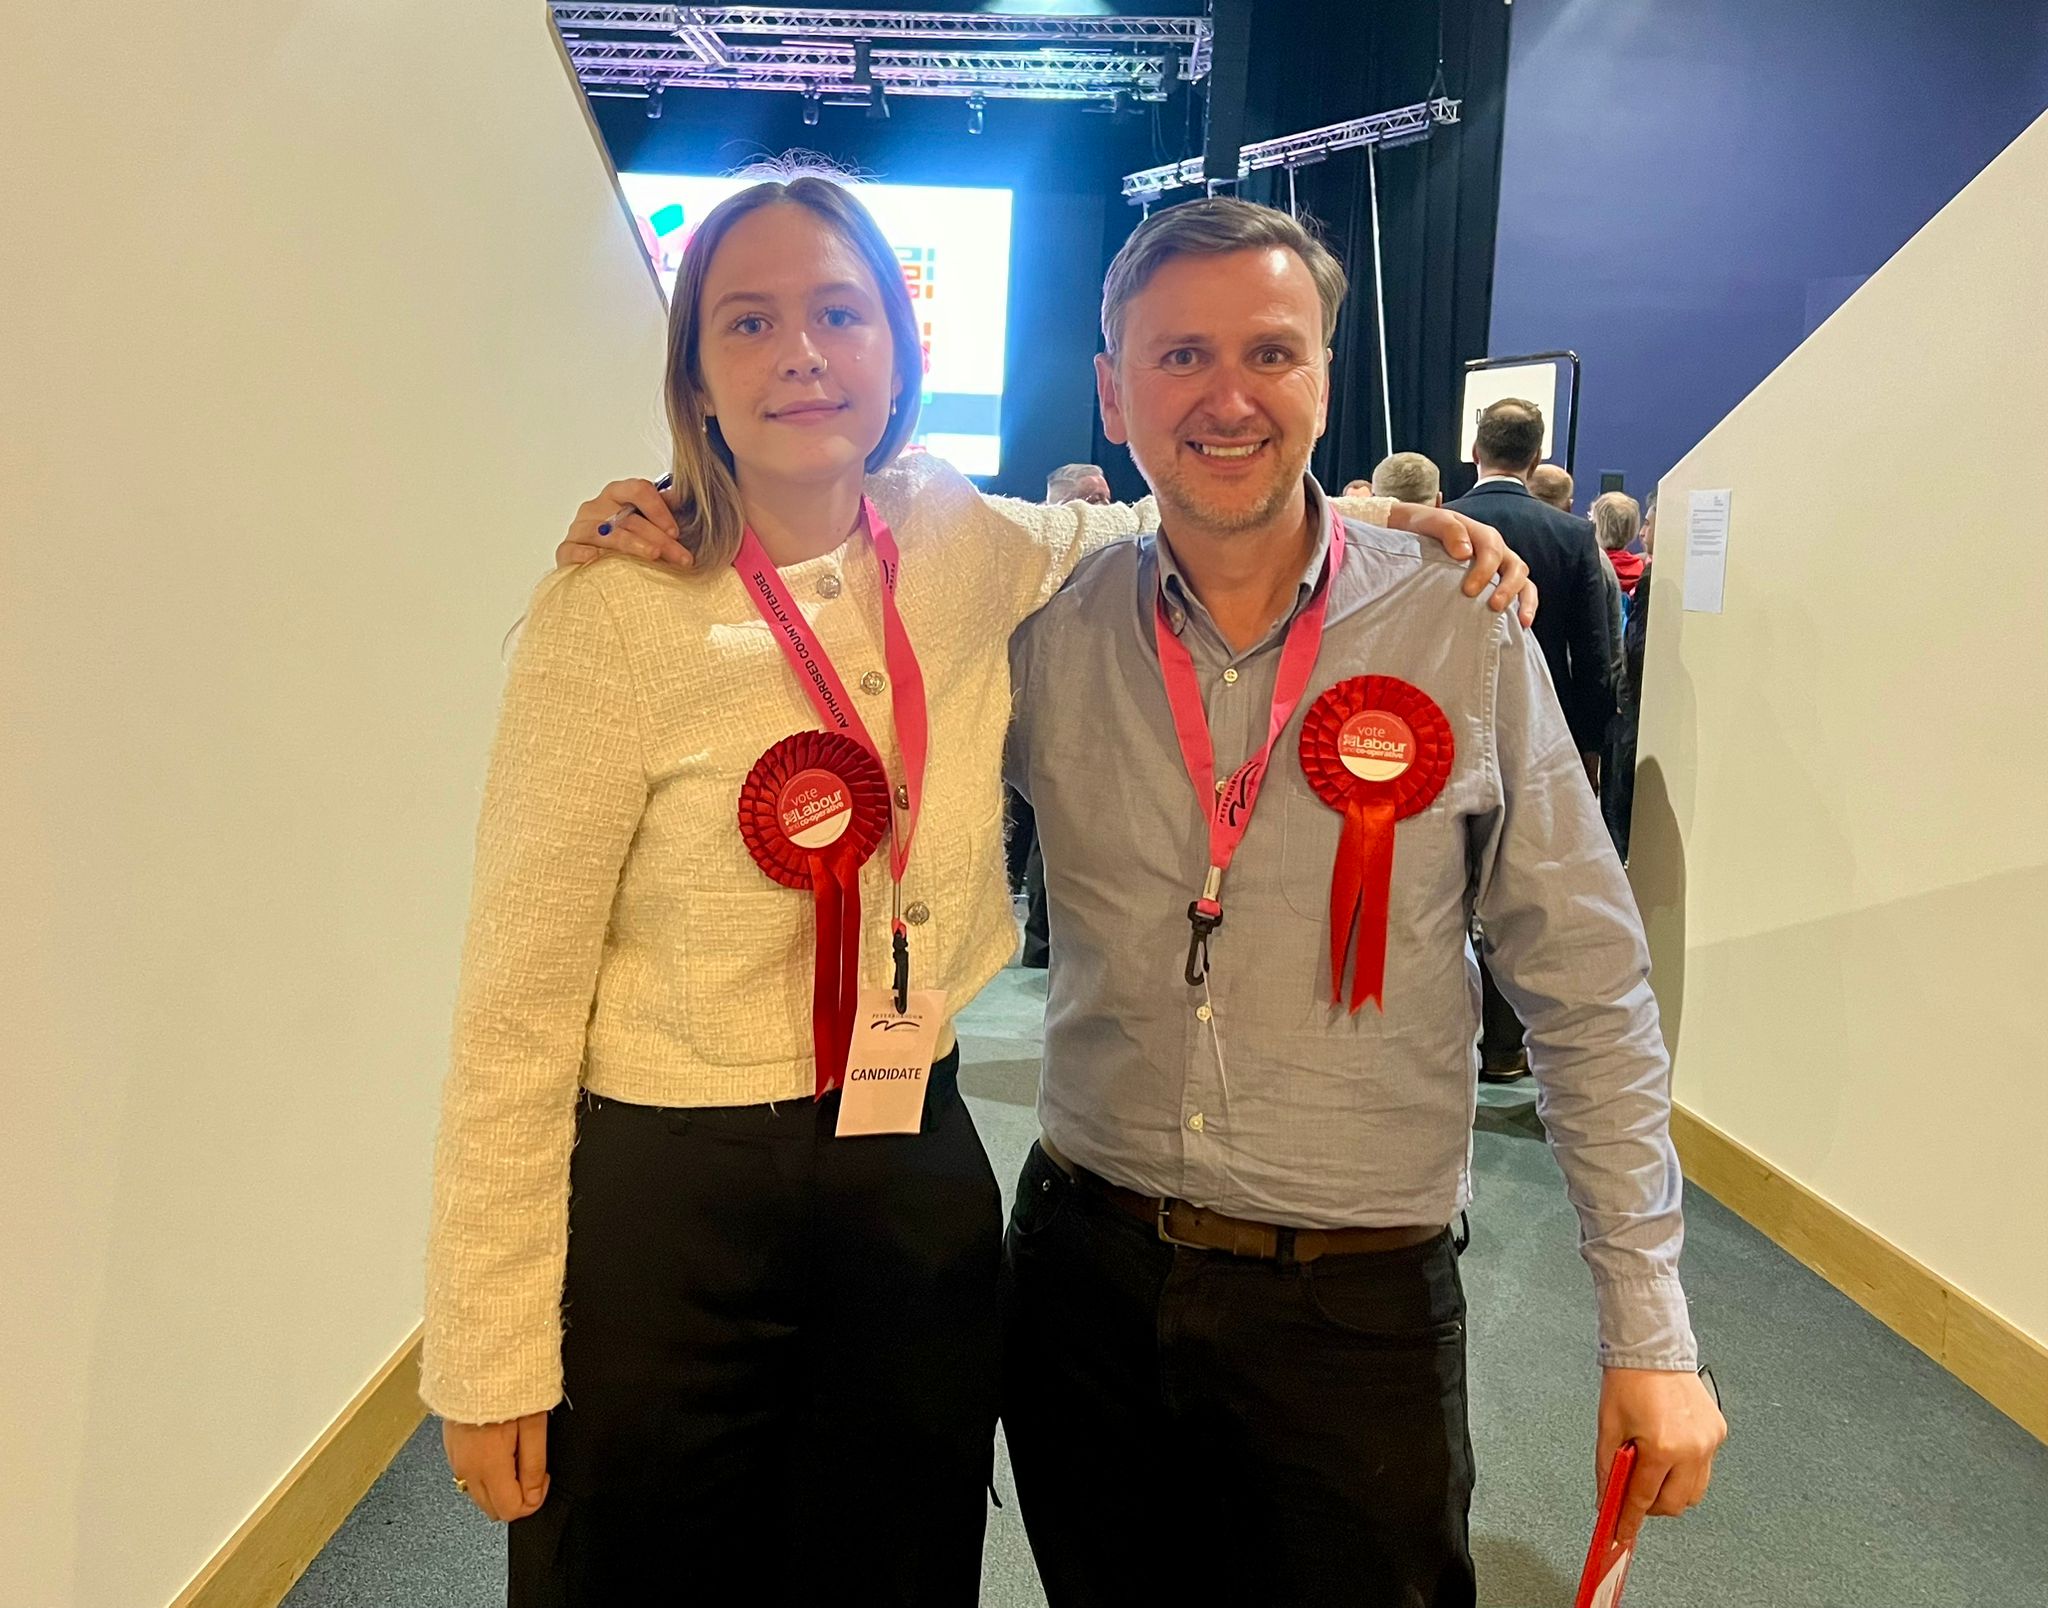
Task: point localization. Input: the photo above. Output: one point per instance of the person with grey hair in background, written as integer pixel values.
(1409, 477)
(1548, 483)
(1078, 482)
(1617, 520)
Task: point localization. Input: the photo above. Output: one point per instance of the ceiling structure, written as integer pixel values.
(853, 56)
(837, 57)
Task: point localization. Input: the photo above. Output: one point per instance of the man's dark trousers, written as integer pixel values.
(1192, 1428)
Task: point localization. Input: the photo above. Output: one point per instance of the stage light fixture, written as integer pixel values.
(977, 105)
(653, 102)
(864, 75)
(812, 96)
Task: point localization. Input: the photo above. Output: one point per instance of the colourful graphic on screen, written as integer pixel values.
(954, 247)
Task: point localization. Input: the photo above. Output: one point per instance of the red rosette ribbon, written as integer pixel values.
(811, 811)
(1377, 751)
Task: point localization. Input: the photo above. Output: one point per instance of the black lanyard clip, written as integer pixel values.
(902, 981)
(1205, 916)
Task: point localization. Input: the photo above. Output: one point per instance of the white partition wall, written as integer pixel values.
(1841, 832)
(317, 317)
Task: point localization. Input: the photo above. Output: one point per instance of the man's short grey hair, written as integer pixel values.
(1407, 477)
(1616, 519)
(1060, 484)
(1210, 229)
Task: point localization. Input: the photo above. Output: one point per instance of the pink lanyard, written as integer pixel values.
(827, 693)
(1228, 808)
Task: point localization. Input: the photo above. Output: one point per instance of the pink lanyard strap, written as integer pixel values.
(1228, 808)
(821, 684)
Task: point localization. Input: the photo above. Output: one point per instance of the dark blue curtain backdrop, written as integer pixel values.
(1689, 188)
(1313, 65)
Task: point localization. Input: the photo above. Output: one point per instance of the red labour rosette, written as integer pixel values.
(1376, 750)
(811, 811)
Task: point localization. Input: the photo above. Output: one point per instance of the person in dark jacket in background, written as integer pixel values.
(1564, 561)
(1618, 797)
(1572, 629)
(1616, 522)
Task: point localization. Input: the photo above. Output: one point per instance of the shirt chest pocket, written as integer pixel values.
(1310, 831)
(1429, 857)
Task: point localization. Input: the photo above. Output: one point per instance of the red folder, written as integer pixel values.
(1607, 1560)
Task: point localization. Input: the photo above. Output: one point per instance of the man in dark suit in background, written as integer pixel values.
(1572, 628)
(1564, 561)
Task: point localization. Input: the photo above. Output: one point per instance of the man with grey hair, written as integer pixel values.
(1409, 477)
(1236, 1311)
(1077, 482)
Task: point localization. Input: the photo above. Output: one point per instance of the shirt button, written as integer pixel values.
(1195, 1122)
(1203, 1013)
(902, 796)
(873, 682)
(829, 586)
(1230, 677)
(918, 913)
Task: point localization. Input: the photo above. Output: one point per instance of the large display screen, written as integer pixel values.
(954, 246)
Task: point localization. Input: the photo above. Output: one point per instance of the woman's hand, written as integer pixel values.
(1493, 562)
(632, 517)
(503, 1468)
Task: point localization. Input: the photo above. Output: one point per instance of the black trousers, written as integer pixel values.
(781, 1362)
(1501, 1035)
(1618, 777)
(1190, 1428)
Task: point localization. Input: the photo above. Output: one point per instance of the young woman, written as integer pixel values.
(685, 1334)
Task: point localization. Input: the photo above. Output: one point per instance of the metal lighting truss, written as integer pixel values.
(1398, 127)
(910, 52)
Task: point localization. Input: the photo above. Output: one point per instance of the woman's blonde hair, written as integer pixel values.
(707, 495)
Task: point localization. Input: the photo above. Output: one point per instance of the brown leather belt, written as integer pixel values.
(1180, 1222)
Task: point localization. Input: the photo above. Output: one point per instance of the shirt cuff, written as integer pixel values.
(1644, 1323)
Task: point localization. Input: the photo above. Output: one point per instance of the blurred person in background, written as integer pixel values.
(1617, 522)
(1077, 482)
(1548, 483)
(1409, 477)
(1573, 630)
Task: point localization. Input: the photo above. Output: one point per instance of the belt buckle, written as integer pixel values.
(1163, 1217)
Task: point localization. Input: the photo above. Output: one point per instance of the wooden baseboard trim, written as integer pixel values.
(265, 1557)
(2006, 1367)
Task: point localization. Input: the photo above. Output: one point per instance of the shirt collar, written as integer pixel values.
(1515, 481)
(1180, 597)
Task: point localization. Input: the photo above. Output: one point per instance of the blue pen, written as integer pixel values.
(660, 485)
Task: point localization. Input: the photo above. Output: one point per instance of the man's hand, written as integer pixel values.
(503, 1467)
(629, 516)
(1493, 562)
(1677, 1429)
